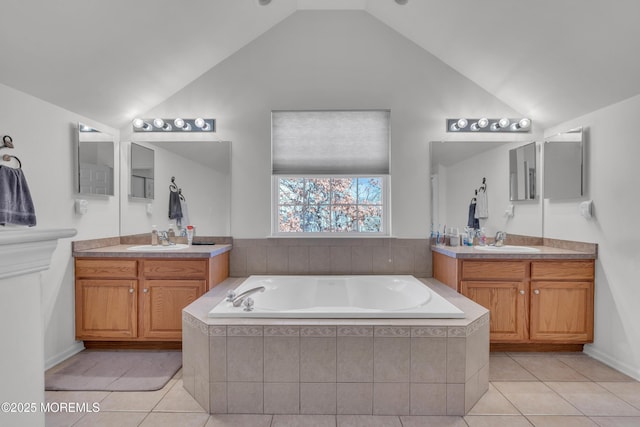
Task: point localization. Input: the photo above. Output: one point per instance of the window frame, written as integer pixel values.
(275, 207)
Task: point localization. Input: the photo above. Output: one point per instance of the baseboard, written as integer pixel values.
(60, 357)
(593, 352)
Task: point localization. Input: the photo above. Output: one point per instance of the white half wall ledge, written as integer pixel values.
(29, 250)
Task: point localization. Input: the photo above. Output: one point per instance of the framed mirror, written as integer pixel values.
(522, 173)
(95, 162)
(564, 174)
(142, 172)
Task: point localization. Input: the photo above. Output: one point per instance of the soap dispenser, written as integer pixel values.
(171, 234)
(154, 235)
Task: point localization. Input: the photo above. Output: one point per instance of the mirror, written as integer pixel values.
(522, 173)
(95, 162)
(201, 170)
(564, 165)
(142, 172)
(457, 171)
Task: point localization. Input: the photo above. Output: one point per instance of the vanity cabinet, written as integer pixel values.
(530, 301)
(140, 299)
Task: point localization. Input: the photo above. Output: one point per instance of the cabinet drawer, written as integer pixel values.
(107, 268)
(180, 269)
(491, 270)
(562, 270)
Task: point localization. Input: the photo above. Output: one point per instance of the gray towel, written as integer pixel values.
(175, 210)
(16, 206)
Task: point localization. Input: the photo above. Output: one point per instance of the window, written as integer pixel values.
(330, 172)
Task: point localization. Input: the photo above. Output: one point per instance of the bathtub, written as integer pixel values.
(340, 297)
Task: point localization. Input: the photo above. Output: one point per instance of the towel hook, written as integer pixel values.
(7, 142)
(8, 157)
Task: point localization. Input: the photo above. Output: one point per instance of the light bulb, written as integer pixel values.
(524, 123)
(179, 123)
(462, 123)
(504, 122)
(483, 123)
(159, 123)
(141, 124)
(201, 123)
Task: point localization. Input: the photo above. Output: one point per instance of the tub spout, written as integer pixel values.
(237, 301)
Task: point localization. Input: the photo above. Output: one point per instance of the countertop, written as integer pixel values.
(546, 252)
(121, 251)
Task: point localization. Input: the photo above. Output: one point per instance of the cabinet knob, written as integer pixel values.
(536, 291)
(521, 291)
(145, 290)
(130, 290)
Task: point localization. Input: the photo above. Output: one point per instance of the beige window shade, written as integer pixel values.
(330, 142)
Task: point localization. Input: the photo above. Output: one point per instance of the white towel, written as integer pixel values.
(482, 205)
(184, 221)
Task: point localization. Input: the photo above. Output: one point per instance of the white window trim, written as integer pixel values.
(386, 209)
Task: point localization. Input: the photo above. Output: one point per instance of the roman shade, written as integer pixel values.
(330, 142)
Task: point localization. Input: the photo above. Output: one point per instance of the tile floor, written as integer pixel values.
(526, 389)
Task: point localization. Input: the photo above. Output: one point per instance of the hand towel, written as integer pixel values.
(184, 221)
(482, 205)
(472, 221)
(175, 211)
(16, 205)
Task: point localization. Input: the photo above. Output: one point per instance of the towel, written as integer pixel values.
(184, 221)
(175, 210)
(473, 222)
(16, 206)
(482, 205)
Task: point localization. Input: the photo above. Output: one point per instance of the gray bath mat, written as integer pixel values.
(129, 370)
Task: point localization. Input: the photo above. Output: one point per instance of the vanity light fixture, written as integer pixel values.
(174, 125)
(503, 124)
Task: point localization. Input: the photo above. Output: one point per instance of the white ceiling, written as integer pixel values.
(552, 60)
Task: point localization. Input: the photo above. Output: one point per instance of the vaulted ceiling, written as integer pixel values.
(552, 60)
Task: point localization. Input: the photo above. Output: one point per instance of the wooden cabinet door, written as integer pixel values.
(162, 302)
(106, 309)
(506, 301)
(562, 311)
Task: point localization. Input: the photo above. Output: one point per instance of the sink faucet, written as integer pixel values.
(500, 238)
(238, 299)
(163, 238)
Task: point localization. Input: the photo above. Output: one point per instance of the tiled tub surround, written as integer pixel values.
(331, 256)
(336, 366)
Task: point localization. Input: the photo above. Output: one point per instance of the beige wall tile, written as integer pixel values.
(456, 364)
(281, 359)
(317, 359)
(218, 398)
(355, 398)
(429, 360)
(318, 398)
(245, 397)
(319, 259)
(245, 358)
(355, 359)
(455, 399)
(391, 358)
(361, 260)
(281, 398)
(217, 358)
(298, 259)
(391, 398)
(304, 421)
(239, 420)
(256, 260)
(428, 399)
(277, 260)
(340, 259)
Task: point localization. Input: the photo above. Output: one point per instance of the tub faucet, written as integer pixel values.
(500, 238)
(238, 299)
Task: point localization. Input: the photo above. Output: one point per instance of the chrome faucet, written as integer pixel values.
(238, 299)
(500, 238)
(163, 238)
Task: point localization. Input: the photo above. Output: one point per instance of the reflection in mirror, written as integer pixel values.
(564, 165)
(202, 172)
(522, 172)
(457, 170)
(142, 172)
(95, 160)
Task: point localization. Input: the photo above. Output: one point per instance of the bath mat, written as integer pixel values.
(129, 370)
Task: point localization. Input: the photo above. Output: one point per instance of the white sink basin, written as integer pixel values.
(508, 249)
(146, 248)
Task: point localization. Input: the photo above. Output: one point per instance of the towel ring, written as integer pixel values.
(8, 157)
(7, 141)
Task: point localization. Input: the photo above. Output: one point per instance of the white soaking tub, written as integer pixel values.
(339, 297)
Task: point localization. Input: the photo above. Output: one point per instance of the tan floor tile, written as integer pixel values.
(629, 392)
(593, 399)
(493, 403)
(560, 421)
(303, 421)
(432, 421)
(173, 419)
(89, 397)
(535, 398)
(594, 370)
(177, 399)
(134, 400)
(177, 375)
(506, 369)
(239, 420)
(111, 419)
(368, 421)
(617, 421)
(549, 369)
(61, 419)
(497, 421)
